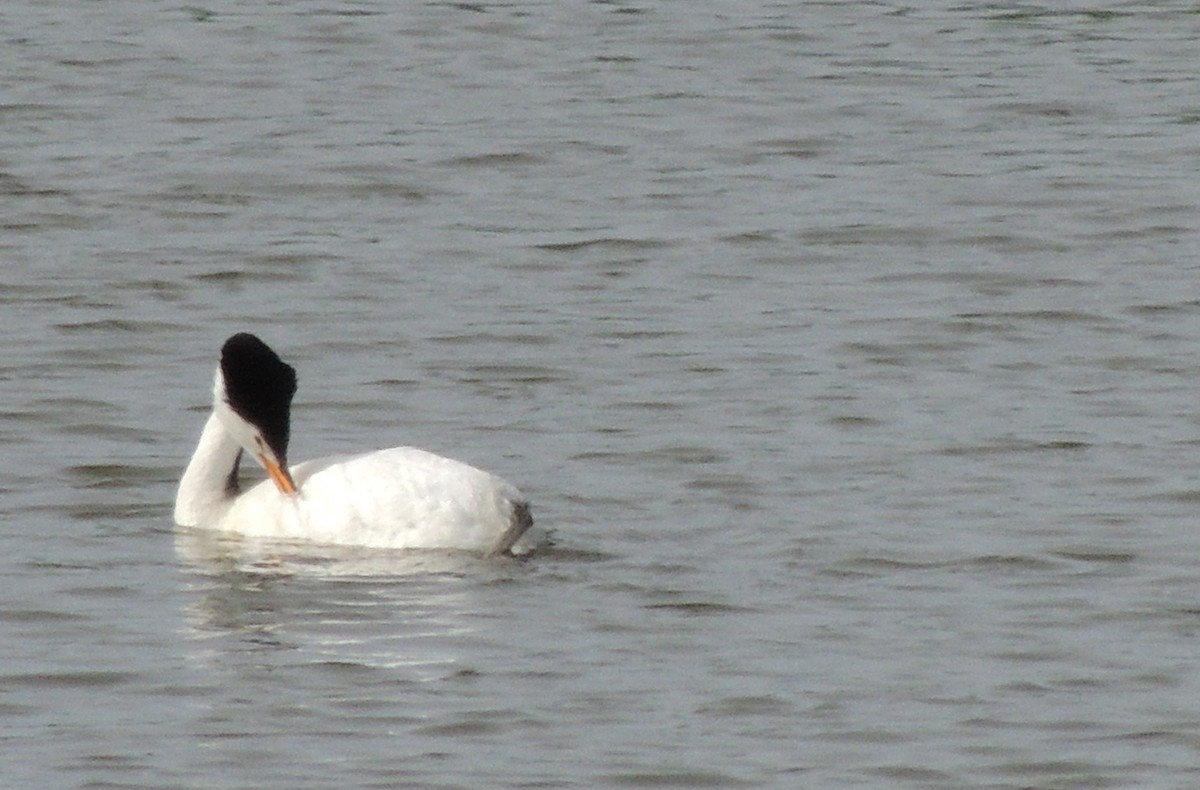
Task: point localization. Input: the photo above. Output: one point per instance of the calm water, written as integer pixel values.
(849, 349)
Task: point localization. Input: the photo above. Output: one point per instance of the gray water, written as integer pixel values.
(849, 350)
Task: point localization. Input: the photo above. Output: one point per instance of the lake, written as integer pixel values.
(847, 350)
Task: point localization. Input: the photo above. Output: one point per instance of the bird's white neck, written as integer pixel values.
(209, 484)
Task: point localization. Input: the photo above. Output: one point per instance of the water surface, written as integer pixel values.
(849, 350)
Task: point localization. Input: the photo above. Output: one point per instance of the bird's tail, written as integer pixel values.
(521, 520)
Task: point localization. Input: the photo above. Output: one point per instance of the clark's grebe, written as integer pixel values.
(397, 498)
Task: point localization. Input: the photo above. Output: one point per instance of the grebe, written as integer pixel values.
(396, 498)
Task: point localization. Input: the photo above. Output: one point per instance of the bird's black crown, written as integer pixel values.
(259, 387)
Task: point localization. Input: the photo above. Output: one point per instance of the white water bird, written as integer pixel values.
(396, 498)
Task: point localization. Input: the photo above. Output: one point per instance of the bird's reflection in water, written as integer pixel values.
(334, 605)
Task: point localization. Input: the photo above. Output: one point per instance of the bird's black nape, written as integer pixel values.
(259, 387)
